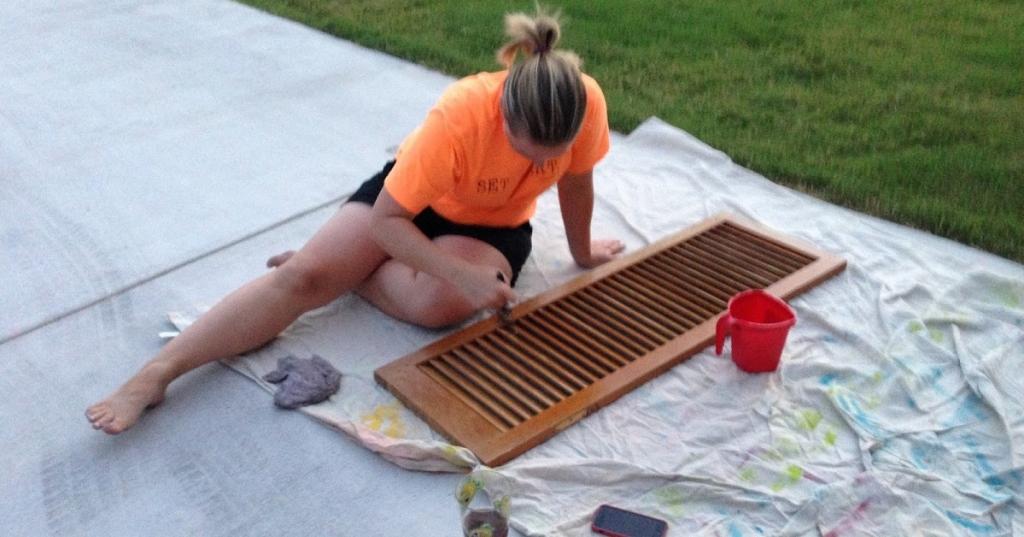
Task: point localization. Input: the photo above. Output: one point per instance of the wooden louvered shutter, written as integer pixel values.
(500, 389)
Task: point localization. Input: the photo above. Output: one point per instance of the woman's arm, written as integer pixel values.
(394, 231)
(576, 199)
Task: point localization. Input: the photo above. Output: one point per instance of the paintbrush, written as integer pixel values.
(505, 311)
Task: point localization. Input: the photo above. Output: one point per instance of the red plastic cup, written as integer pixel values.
(759, 323)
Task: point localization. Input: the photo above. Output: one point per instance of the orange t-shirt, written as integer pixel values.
(460, 162)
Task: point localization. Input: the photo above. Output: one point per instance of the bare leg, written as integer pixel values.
(424, 299)
(336, 260)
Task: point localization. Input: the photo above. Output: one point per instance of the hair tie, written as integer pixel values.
(541, 49)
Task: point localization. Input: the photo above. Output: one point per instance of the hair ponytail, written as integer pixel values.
(543, 95)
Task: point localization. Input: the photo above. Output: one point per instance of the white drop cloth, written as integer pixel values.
(897, 409)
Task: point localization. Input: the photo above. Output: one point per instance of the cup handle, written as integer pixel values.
(722, 329)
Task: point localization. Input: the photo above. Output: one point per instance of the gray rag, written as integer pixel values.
(303, 381)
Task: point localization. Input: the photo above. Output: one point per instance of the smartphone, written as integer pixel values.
(618, 522)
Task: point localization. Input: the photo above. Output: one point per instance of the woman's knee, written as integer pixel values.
(439, 304)
(308, 282)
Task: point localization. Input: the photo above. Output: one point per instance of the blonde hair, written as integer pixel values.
(544, 96)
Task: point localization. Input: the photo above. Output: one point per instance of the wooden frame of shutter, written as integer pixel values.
(500, 388)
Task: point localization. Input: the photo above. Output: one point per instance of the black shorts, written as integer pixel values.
(513, 242)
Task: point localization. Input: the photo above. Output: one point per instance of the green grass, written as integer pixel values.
(908, 110)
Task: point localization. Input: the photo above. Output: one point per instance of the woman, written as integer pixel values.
(438, 234)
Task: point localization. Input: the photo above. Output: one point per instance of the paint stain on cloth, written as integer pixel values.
(387, 418)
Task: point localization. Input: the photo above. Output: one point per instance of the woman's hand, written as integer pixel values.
(485, 287)
(602, 251)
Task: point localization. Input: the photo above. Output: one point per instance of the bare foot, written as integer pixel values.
(279, 259)
(119, 411)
